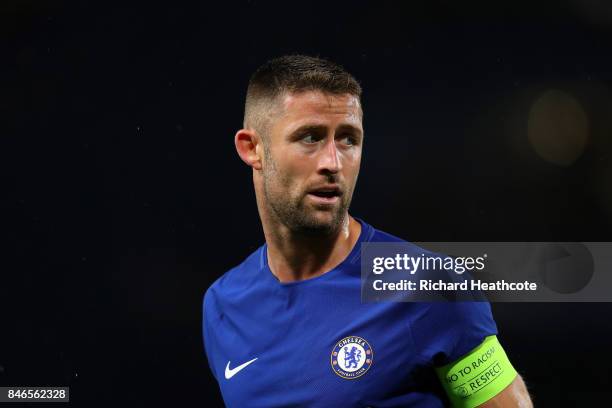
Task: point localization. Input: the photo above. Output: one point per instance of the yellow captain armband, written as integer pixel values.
(478, 376)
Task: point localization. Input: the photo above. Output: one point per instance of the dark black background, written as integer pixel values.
(125, 198)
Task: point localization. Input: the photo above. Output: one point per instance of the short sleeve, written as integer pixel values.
(446, 331)
(473, 324)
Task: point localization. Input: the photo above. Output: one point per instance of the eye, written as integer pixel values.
(309, 138)
(349, 140)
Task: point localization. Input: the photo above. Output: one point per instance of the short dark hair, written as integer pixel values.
(295, 73)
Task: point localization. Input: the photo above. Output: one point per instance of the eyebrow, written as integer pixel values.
(349, 128)
(322, 128)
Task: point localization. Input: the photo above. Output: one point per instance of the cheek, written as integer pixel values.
(298, 166)
(288, 175)
(352, 163)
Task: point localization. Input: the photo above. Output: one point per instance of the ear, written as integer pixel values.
(249, 148)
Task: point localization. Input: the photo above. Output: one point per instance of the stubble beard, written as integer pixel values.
(291, 209)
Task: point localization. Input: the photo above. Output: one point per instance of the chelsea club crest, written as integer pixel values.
(352, 357)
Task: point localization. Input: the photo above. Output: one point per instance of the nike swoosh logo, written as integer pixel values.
(230, 372)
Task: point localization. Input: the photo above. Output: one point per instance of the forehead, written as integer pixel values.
(317, 106)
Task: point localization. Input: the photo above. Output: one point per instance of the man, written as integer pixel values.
(286, 327)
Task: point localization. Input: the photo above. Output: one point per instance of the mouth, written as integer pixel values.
(325, 195)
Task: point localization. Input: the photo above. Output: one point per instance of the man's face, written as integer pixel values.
(311, 161)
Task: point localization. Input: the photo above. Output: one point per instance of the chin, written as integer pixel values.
(320, 224)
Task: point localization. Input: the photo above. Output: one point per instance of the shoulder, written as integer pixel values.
(375, 235)
(450, 328)
(235, 281)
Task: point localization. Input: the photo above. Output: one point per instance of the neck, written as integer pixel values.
(294, 256)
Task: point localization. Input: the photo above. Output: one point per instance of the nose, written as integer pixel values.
(330, 160)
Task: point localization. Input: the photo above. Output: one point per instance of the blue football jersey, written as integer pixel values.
(312, 343)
